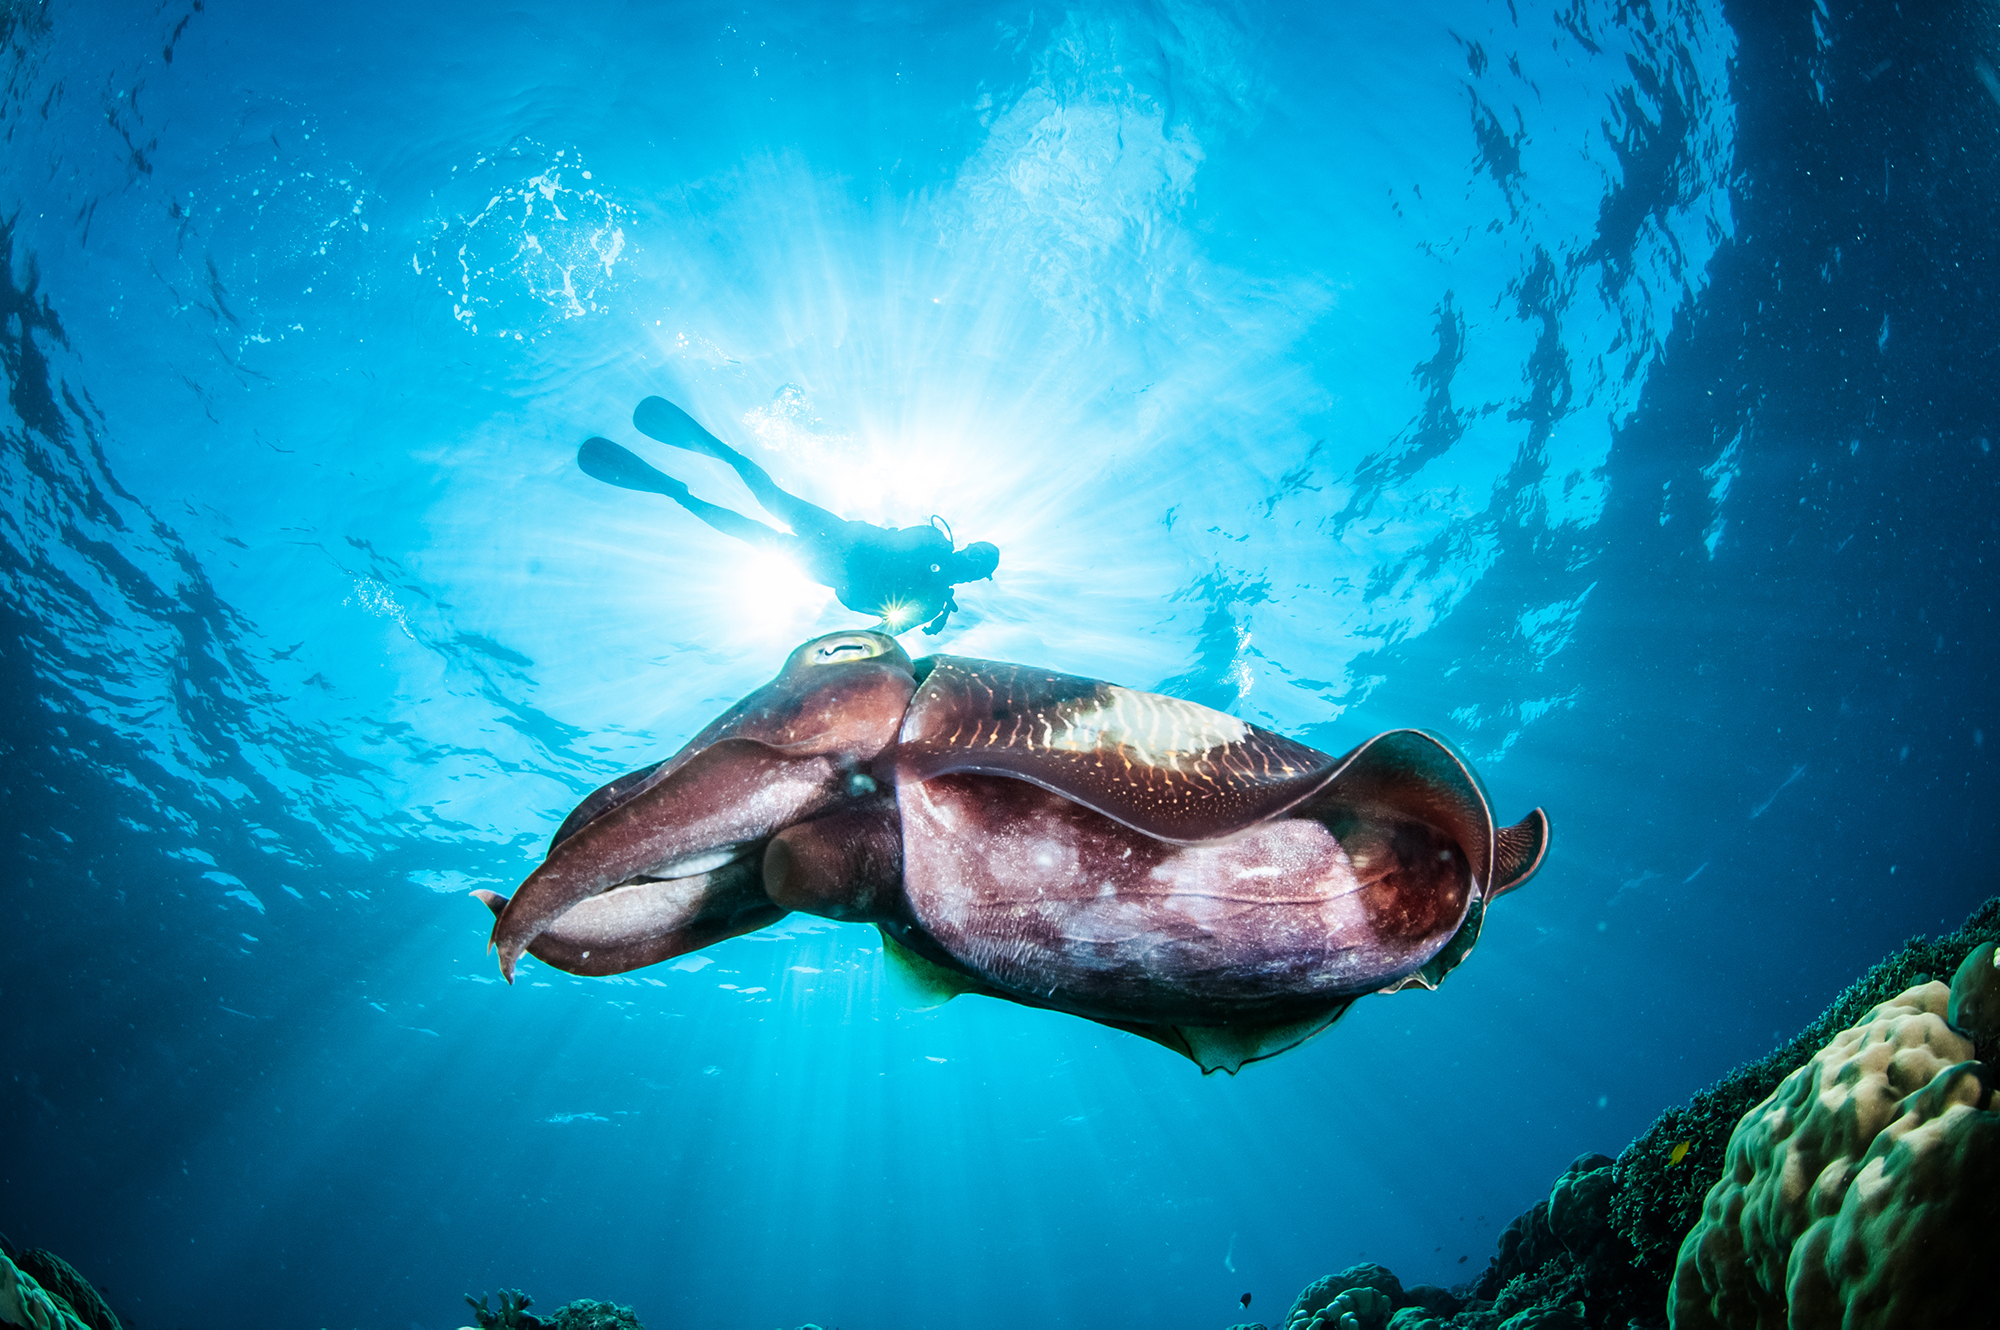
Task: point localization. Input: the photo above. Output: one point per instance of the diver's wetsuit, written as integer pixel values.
(903, 577)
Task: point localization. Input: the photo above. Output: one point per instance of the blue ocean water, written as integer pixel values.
(1606, 387)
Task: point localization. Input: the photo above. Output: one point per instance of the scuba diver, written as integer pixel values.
(903, 577)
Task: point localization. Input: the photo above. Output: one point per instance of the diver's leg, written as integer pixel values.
(606, 461)
(657, 418)
(601, 459)
(731, 523)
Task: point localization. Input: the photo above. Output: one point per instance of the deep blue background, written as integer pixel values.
(328, 619)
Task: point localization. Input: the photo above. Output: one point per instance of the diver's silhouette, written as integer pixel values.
(903, 577)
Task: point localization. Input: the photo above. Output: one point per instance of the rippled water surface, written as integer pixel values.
(1601, 386)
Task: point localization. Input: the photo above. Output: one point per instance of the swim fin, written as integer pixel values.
(657, 418)
(601, 459)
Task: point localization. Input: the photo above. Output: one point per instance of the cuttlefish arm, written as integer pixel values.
(716, 809)
(791, 750)
(644, 923)
(810, 707)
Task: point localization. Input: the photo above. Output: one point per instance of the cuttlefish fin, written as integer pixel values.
(1418, 774)
(928, 984)
(1432, 972)
(1163, 766)
(1232, 1047)
(925, 984)
(1518, 852)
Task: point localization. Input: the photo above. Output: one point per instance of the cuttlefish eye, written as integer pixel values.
(847, 646)
(859, 646)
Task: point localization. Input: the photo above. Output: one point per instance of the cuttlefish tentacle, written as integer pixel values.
(644, 923)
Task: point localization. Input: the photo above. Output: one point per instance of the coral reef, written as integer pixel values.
(585, 1314)
(42, 1291)
(1663, 1176)
(24, 1302)
(581, 1314)
(58, 1277)
(1371, 1285)
(1559, 1266)
(1975, 1001)
(512, 1315)
(1864, 1191)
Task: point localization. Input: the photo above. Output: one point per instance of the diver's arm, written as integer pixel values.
(936, 626)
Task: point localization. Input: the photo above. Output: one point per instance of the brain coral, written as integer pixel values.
(24, 1302)
(1862, 1193)
(60, 1279)
(1312, 1304)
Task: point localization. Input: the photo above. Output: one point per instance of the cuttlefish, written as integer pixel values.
(1059, 842)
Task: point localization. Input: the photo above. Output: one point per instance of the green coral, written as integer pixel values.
(1658, 1200)
(1417, 1318)
(513, 1313)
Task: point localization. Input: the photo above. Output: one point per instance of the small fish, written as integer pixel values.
(1245, 1299)
(1680, 1152)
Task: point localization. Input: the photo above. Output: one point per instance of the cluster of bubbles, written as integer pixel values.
(374, 596)
(791, 426)
(523, 240)
(275, 226)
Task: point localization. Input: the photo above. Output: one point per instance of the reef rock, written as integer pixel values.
(581, 1314)
(1864, 1192)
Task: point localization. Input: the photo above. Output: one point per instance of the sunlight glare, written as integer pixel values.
(770, 599)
